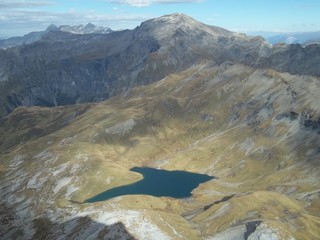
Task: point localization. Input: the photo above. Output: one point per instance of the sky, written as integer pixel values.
(19, 17)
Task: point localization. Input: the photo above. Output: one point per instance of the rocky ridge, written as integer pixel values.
(64, 68)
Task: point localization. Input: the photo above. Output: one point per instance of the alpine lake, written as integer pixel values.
(158, 183)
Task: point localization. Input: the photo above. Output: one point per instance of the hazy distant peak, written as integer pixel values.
(87, 29)
(52, 27)
(292, 38)
(90, 25)
(36, 36)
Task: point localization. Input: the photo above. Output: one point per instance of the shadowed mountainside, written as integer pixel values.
(64, 68)
(74, 228)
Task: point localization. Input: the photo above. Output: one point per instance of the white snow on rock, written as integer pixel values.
(81, 156)
(61, 168)
(70, 190)
(264, 232)
(236, 233)
(137, 223)
(121, 128)
(62, 183)
(17, 160)
(109, 179)
(35, 182)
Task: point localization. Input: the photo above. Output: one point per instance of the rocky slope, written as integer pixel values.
(255, 130)
(64, 68)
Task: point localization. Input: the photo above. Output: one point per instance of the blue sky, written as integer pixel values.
(18, 17)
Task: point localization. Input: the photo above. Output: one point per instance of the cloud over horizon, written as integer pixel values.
(145, 3)
(19, 17)
(5, 4)
(20, 22)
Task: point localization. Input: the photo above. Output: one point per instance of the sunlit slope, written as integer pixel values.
(256, 131)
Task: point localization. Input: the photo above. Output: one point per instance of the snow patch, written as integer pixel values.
(70, 190)
(47, 158)
(82, 156)
(136, 222)
(59, 169)
(247, 145)
(17, 160)
(67, 140)
(109, 179)
(76, 167)
(61, 183)
(121, 128)
(172, 229)
(35, 182)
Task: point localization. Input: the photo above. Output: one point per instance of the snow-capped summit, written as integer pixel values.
(87, 29)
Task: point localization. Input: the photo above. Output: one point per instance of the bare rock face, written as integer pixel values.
(263, 232)
(64, 68)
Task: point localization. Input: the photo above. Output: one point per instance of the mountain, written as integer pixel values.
(87, 29)
(301, 38)
(182, 96)
(36, 36)
(26, 39)
(64, 68)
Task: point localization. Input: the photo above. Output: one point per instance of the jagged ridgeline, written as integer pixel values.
(64, 68)
(185, 97)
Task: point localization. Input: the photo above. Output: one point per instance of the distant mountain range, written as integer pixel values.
(87, 29)
(35, 36)
(290, 38)
(301, 38)
(63, 68)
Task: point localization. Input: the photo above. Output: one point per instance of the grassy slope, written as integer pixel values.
(220, 120)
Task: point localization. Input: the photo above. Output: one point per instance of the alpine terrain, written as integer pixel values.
(78, 111)
(36, 36)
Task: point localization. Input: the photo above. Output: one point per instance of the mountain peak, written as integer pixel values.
(166, 26)
(52, 27)
(177, 19)
(87, 29)
(90, 26)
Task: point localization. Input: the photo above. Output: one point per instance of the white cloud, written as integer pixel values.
(5, 4)
(20, 22)
(144, 3)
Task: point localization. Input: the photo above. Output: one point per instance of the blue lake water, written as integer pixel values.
(158, 183)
